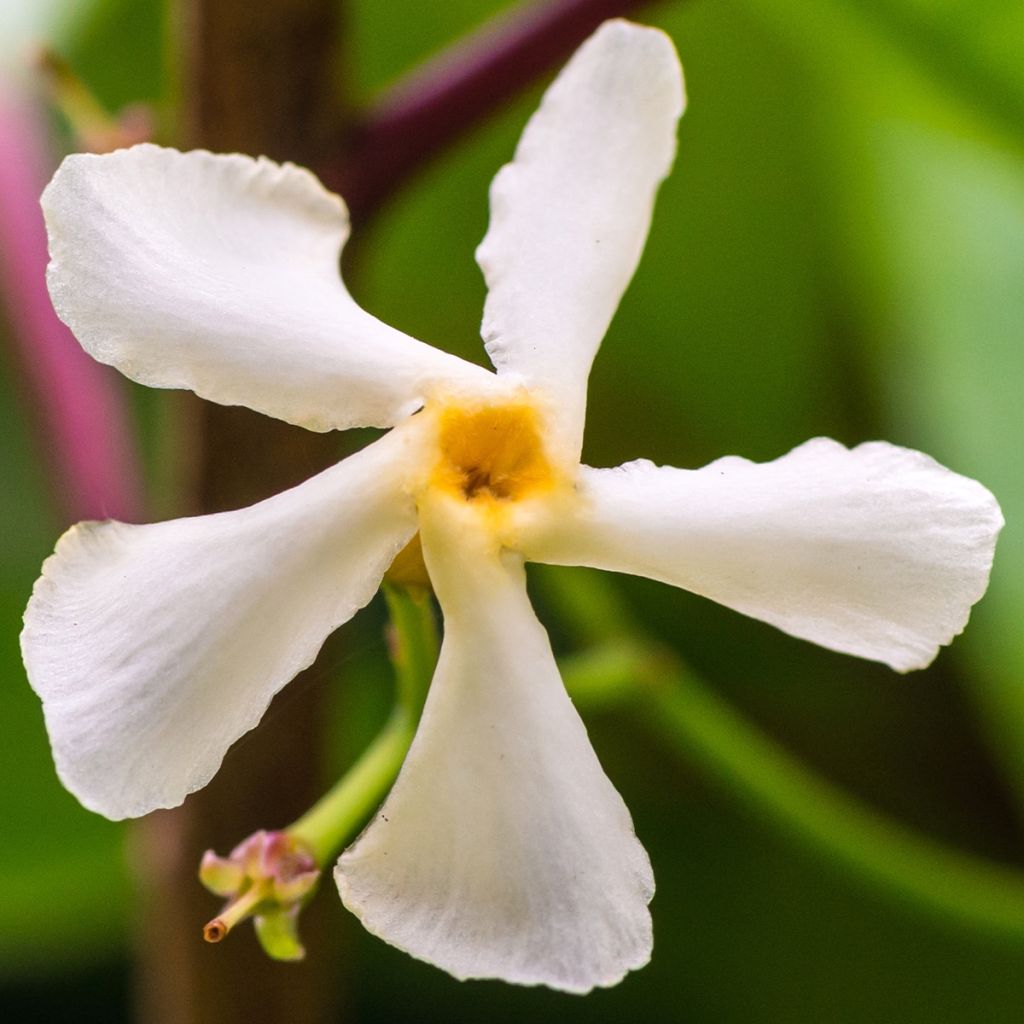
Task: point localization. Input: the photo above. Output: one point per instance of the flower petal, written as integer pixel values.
(503, 850)
(155, 647)
(220, 274)
(876, 551)
(569, 216)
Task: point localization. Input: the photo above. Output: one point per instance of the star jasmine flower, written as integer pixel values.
(502, 850)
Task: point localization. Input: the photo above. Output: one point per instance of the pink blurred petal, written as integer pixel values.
(77, 404)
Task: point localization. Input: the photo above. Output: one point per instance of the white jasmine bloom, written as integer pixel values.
(503, 850)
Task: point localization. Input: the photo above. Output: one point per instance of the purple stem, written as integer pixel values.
(77, 402)
(432, 107)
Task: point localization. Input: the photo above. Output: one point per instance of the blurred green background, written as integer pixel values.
(839, 251)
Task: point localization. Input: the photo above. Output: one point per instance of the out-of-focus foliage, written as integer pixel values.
(24, 22)
(955, 207)
(840, 251)
(119, 51)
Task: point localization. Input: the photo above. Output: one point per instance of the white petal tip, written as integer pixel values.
(471, 964)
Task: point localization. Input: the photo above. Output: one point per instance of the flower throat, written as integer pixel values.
(491, 453)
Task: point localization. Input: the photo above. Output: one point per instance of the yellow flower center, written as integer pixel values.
(491, 453)
(487, 457)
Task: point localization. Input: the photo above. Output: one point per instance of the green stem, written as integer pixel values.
(687, 714)
(333, 820)
(694, 722)
(414, 644)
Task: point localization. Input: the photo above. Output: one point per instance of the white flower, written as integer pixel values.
(502, 850)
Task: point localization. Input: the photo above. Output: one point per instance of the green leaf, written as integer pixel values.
(954, 209)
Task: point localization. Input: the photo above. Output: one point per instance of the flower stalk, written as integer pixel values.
(334, 819)
(413, 642)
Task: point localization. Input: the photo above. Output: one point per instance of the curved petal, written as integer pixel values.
(876, 551)
(155, 647)
(220, 274)
(569, 216)
(503, 850)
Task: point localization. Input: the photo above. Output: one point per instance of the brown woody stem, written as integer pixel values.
(258, 78)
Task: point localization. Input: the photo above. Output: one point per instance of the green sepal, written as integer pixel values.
(278, 934)
(222, 876)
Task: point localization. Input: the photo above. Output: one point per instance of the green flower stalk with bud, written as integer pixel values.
(270, 876)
